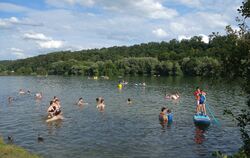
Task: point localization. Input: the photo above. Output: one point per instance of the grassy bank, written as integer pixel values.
(13, 151)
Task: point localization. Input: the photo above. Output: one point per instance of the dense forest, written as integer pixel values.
(190, 57)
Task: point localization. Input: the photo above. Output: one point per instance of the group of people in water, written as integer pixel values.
(200, 98)
(54, 108)
(165, 115)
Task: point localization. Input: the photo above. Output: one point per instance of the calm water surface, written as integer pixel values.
(121, 130)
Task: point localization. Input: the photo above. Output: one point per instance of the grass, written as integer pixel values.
(13, 151)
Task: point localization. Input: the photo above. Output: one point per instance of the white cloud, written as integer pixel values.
(183, 37)
(154, 9)
(205, 38)
(65, 3)
(160, 33)
(9, 7)
(3, 23)
(50, 44)
(16, 49)
(191, 3)
(43, 41)
(18, 53)
(178, 27)
(12, 21)
(36, 36)
(147, 8)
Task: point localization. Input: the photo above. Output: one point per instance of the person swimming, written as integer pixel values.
(55, 98)
(21, 91)
(101, 106)
(162, 116)
(172, 96)
(129, 101)
(10, 99)
(39, 95)
(80, 102)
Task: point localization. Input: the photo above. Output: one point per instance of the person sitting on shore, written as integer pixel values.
(162, 116)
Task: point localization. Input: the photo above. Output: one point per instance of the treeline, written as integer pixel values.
(187, 57)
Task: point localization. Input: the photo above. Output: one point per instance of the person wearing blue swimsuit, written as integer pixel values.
(202, 102)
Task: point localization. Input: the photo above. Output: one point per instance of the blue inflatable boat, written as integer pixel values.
(201, 120)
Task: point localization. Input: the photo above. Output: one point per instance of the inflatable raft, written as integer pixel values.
(58, 117)
(201, 120)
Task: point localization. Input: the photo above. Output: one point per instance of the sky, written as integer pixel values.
(30, 28)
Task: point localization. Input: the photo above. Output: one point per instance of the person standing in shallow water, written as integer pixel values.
(162, 116)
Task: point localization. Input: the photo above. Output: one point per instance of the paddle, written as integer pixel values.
(210, 111)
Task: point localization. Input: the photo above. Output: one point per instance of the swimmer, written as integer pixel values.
(98, 101)
(58, 111)
(55, 98)
(172, 96)
(101, 106)
(129, 101)
(80, 102)
(10, 99)
(39, 95)
(21, 91)
(51, 109)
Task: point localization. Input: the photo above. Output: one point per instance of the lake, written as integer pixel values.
(122, 130)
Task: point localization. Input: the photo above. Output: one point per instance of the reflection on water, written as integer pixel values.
(121, 130)
(199, 135)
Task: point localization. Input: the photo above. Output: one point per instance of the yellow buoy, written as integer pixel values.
(120, 86)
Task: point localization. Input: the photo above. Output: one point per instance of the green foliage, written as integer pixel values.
(12, 151)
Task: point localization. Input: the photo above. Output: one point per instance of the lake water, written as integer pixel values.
(121, 130)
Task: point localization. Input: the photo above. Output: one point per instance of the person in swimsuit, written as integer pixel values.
(58, 107)
(162, 116)
(197, 98)
(51, 109)
(202, 102)
(101, 106)
(170, 115)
